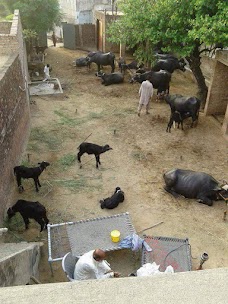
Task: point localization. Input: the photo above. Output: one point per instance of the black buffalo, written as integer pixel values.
(112, 78)
(160, 80)
(191, 184)
(81, 62)
(134, 65)
(169, 64)
(186, 105)
(102, 59)
(168, 56)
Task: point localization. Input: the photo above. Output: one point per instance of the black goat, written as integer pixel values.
(89, 148)
(113, 201)
(25, 172)
(30, 210)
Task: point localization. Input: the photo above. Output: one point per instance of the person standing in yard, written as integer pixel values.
(46, 72)
(54, 39)
(145, 94)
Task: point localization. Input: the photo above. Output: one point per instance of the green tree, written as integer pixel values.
(184, 27)
(36, 15)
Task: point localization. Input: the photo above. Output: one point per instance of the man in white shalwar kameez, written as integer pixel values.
(145, 93)
(46, 72)
(92, 265)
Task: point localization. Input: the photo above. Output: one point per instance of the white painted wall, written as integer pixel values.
(81, 11)
(68, 8)
(85, 9)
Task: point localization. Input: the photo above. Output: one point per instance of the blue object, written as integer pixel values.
(134, 242)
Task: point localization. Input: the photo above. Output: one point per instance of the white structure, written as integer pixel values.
(80, 12)
(68, 8)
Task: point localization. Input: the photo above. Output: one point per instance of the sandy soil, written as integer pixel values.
(142, 152)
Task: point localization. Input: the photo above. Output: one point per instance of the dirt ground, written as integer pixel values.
(142, 152)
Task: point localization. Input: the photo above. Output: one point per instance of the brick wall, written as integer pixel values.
(8, 44)
(105, 19)
(85, 35)
(14, 107)
(5, 27)
(14, 125)
(110, 46)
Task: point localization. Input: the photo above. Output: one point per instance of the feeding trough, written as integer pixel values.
(52, 86)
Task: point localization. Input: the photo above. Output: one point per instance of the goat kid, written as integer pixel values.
(25, 172)
(30, 210)
(113, 201)
(90, 148)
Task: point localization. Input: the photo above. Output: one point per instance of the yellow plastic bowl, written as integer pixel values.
(115, 236)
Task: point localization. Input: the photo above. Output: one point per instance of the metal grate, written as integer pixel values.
(168, 251)
(58, 241)
(94, 233)
(82, 236)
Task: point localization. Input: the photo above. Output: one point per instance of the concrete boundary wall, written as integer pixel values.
(18, 262)
(193, 287)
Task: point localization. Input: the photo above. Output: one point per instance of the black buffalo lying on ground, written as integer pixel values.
(160, 80)
(113, 201)
(112, 78)
(187, 106)
(191, 184)
(169, 64)
(102, 59)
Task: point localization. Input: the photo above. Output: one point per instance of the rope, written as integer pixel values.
(85, 139)
(171, 252)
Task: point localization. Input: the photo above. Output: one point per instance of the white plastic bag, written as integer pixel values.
(150, 269)
(169, 269)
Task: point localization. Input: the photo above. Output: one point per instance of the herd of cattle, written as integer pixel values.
(187, 183)
(159, 75)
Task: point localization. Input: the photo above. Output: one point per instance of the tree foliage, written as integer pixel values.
(36, 15)
(183, 27)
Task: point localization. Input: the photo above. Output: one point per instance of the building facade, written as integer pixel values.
(81, 12)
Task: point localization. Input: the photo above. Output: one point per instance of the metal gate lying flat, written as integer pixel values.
(168, 251)
(85, 235)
